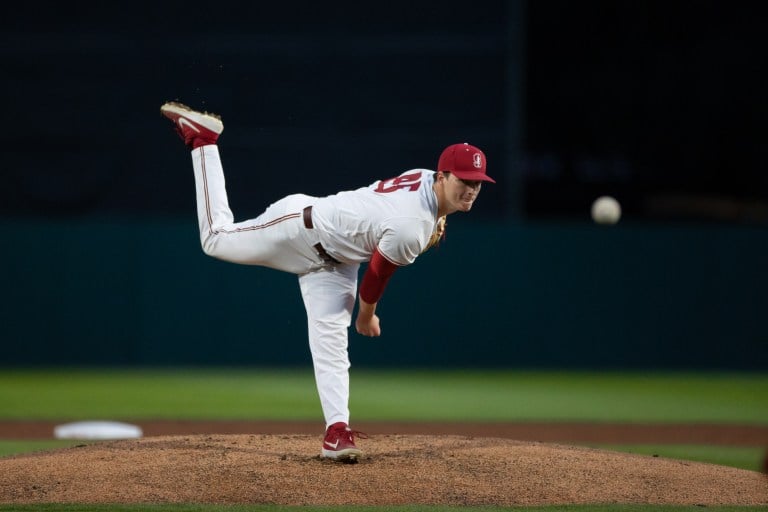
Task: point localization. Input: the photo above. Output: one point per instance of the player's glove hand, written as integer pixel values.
(438, 235)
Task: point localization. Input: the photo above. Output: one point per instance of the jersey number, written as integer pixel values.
(409, 181)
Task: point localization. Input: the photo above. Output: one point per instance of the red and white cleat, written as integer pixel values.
(195, 128)
(339, 443)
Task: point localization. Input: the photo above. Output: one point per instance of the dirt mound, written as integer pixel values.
(396, 469)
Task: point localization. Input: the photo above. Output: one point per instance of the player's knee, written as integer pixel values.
(329, 344)
(210, 246)
(330, 363)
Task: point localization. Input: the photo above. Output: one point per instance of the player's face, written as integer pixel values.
(461, 194)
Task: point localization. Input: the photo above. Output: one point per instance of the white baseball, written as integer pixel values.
(606, 210)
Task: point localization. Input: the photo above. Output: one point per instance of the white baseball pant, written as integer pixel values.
(279, 239)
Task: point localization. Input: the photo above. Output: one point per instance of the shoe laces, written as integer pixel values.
(348, 432)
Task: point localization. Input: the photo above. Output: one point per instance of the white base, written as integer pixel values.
(97, 430)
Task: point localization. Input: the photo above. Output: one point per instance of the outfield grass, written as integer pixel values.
(290, 394)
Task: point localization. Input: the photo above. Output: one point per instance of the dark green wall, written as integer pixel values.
(535, 295)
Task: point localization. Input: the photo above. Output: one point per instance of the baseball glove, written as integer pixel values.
(438, 235)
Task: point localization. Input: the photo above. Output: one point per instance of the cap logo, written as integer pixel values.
(477, 160)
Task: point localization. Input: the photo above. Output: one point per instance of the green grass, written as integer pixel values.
(742, 457)
(10, 447)
(563, 396)
(257, 393)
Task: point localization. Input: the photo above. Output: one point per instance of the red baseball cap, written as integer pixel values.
(465, 161)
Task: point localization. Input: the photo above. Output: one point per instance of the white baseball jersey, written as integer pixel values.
(397, 215)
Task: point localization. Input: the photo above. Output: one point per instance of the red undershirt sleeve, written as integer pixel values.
(376, 276)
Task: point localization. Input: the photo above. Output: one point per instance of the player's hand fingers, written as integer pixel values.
(370, 327)
(367, 331)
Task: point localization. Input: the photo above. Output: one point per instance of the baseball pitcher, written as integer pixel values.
(323, 240)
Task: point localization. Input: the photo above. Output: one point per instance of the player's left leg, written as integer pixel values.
(329, 298)
(277, 238)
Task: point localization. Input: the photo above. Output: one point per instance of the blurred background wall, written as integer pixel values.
(660, 104)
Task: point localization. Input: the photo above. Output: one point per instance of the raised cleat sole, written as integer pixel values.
(210, 121)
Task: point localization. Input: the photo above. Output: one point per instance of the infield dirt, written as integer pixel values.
(396, 469)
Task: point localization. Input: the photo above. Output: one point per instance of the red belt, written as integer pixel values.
(307, 215)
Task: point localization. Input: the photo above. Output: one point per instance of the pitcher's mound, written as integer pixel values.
(435, 470)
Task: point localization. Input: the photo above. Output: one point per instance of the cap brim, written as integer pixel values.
(474, 176)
